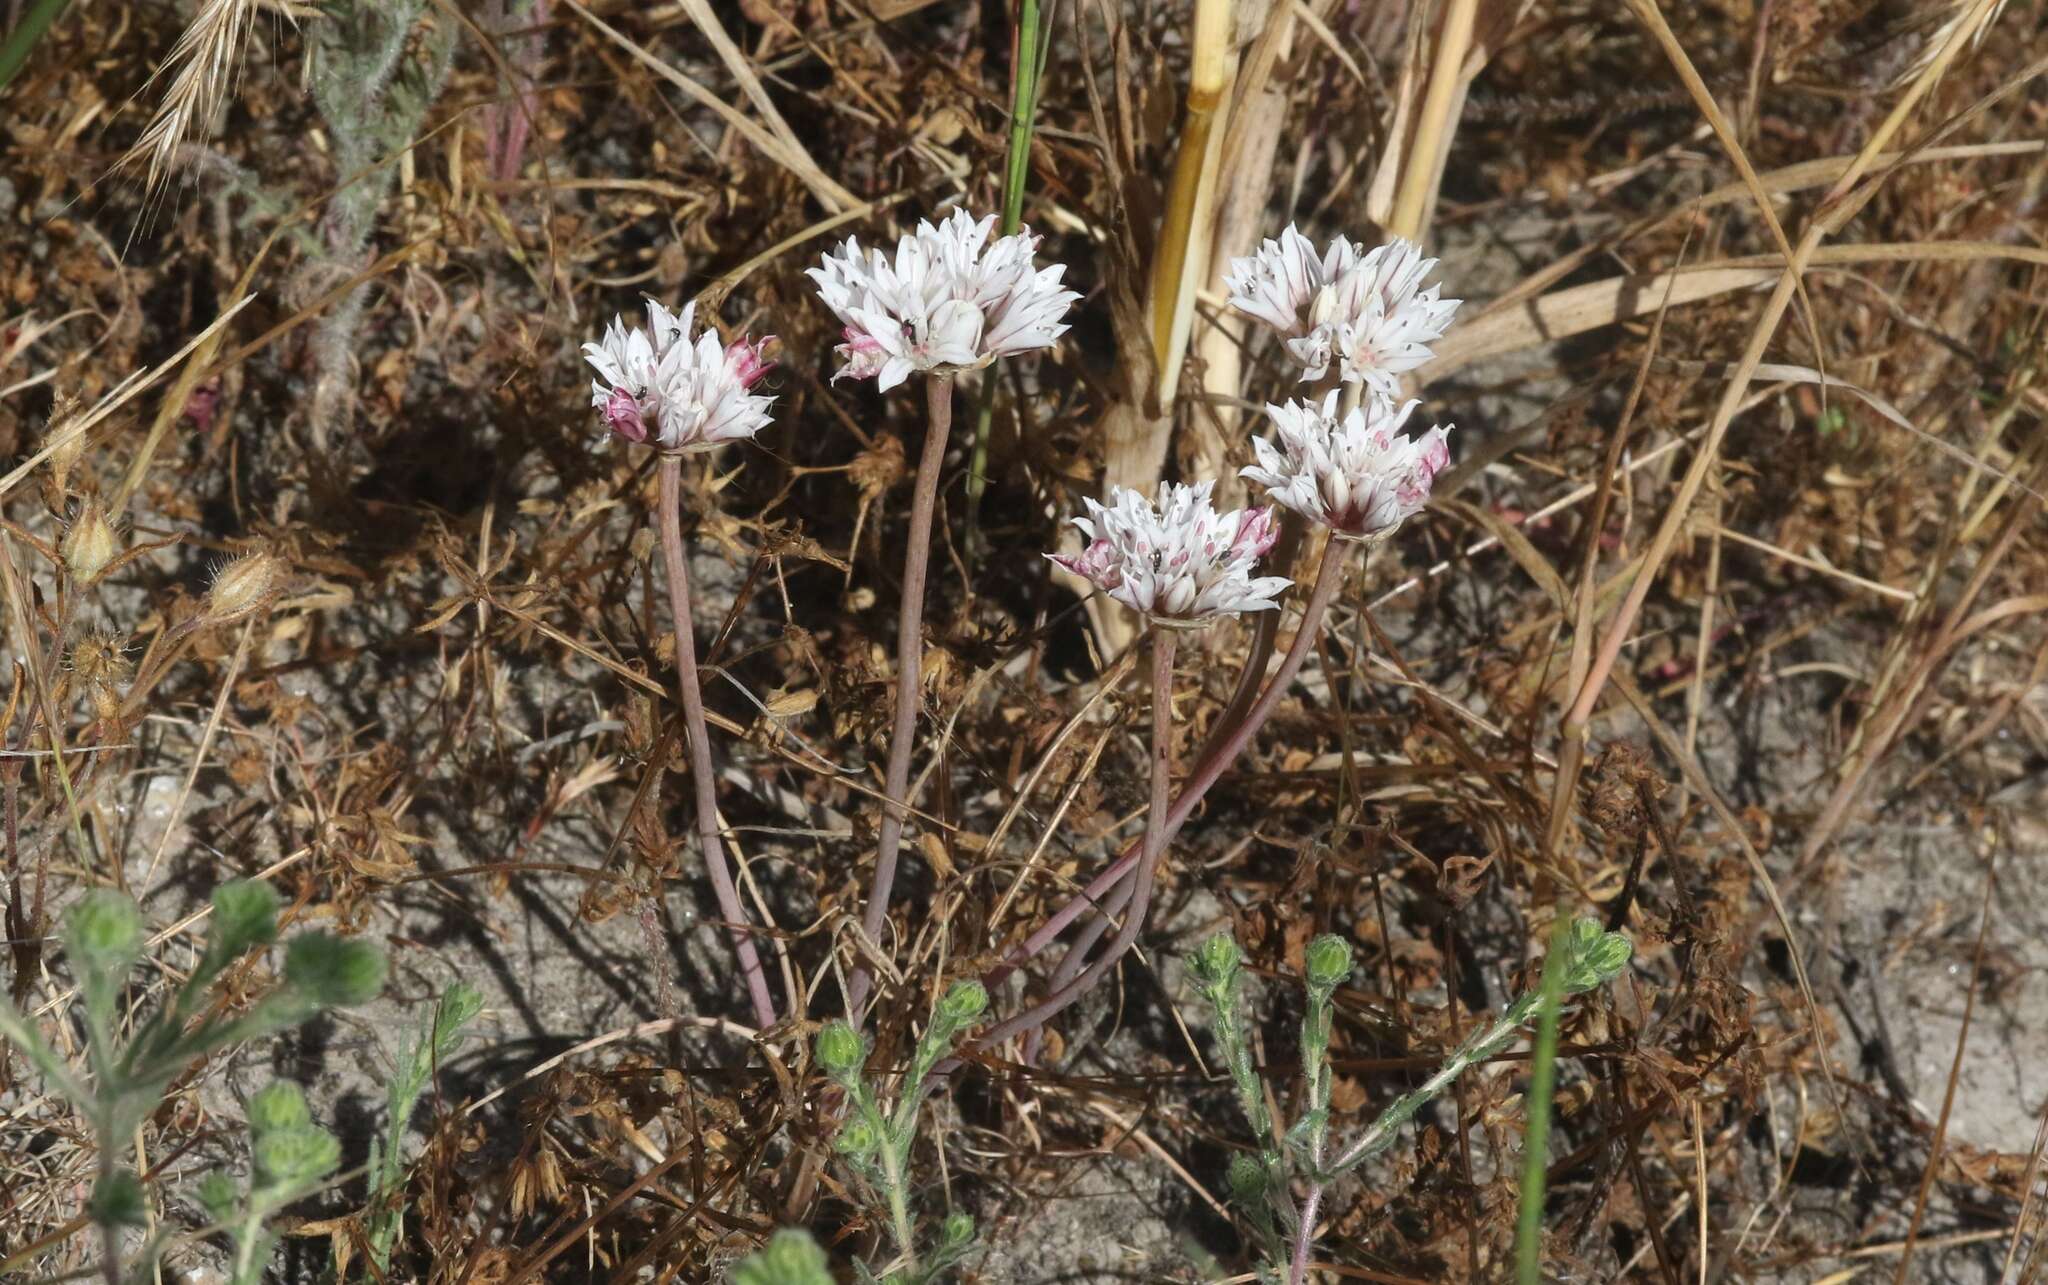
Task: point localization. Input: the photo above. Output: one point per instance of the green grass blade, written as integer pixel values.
(1542, 1086)
(1026, 67)
(14, 52)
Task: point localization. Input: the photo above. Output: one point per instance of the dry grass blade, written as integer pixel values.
(1652, 17)
(62, 435)
(1437, 124)
(829, 193)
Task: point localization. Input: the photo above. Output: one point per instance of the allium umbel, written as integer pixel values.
(1180, 563)
(948, 301)
(1369, 311)
(662, 387)
(1355, 474)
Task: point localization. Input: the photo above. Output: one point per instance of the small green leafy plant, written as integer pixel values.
(460, 1004)
(122, 1084)
(876, 1139)
(790, 1257)
(289, 1156)
(1263, 1182)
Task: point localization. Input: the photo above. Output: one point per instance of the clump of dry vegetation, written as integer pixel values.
(1723, 628)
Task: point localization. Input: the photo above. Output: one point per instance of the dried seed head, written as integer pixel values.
(879, 467)
(90, 544)
(101, 659)
(245, 585)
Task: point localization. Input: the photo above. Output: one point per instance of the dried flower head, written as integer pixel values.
(244, 585)
(1181, 562)
(90, 545)
(659, 385)
(1367, 311)
(100, 663)
(948, 301)
(101, 658)
(1354, 474)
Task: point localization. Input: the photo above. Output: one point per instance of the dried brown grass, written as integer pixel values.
(452, 729)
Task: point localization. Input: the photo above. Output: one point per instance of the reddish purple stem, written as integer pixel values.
(700, 741)
(1211, 767)
(909, 656)
(1152, 850)
(1329, 576)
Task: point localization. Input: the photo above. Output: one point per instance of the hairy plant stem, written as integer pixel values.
(1329, 577)
(1157, 836)
(701, 776)
(909, 656)
(1305, 1235)
(899, 1204)
(110, 1234)
(1380, 1133)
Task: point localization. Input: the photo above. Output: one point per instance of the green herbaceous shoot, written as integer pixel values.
(289, 1156)
(437, 1040)
(123, 1083)
(877, 1138)
(1263, 1182)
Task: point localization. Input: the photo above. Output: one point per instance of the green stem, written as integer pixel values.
(1027, 63)
(1382, 1131)
(1542, 1083)
(14, 53)
(897, 1193)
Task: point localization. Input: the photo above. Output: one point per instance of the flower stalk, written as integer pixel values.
(909, 661)
(1329, 579)
(1151, 851)
(701, 772)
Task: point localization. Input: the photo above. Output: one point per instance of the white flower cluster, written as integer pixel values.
(948, 301)
(1352, 473)
(1366, 311)
(1180, 563)
(660, 386)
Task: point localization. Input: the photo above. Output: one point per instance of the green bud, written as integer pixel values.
(1216, 962)
(117, 1201)
(103, 932)
(217, 1195)
(840, 1050)
(790, 1258)
(1593, 957)
(857, 1140)
(294, 1158)
(955, 1233)
(963, 1003)
(1247, 1178)
(1329, 962)
(244, 917)
(334, 973)
(278, 1107)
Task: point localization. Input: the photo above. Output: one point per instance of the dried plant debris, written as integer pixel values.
(486, 797)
